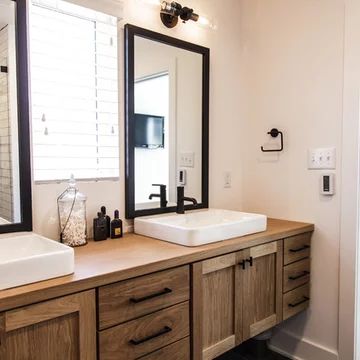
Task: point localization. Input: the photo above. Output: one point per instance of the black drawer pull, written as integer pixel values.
(299, 249)
(242, 264)
(250, 260)
(148, 297)
(305, 299)
(164, 331)
(304, 273)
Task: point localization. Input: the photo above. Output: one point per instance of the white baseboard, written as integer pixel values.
(293, 347)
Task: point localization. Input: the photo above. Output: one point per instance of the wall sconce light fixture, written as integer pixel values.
(171, 11)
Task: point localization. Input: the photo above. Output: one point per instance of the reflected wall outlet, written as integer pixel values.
(187, 159)
(227, 179)
(322, 158)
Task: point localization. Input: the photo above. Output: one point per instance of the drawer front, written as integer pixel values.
(296, 301)
(144, 335)
(296, 248)
(296, 274)
(177, 351)
(133, 298)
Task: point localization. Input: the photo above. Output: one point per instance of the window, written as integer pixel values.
(74, 91)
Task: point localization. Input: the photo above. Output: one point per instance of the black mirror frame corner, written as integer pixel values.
(23, 121)
(130, 32)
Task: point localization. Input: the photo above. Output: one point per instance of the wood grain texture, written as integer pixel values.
(219, 348)
(239, 295)
(114, 343)
(299, 242)
(279, 281)
(262, 290)
(115, 306)
(296, 296)
(262, 250)
(179, 350)
(102, 263)
(63, 328)
(196, 311)
(2, 336)
(262, 325)
(218, 263)
(218, 306)
(296, 274)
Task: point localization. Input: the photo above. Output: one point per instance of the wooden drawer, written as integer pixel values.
(296, 274)
(177, 351)
(296, 301)
(133, 298)
(144, 335)
(296, 248)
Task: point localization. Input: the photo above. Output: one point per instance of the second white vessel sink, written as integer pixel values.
(200, 227)
(29, 258)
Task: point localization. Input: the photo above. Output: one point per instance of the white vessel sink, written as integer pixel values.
(200, 227)
(29, 258)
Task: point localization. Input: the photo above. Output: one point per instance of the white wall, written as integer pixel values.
(293, 55)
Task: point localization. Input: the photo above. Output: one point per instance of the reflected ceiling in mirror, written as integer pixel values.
(167, 122)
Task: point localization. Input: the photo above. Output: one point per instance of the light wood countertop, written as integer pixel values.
(101, 263)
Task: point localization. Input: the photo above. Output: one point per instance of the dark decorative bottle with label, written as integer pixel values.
(116, 226)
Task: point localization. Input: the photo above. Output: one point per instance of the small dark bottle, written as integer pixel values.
(100, 232)
(116, 226)
(108, 220)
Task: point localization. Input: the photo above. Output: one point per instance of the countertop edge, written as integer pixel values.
(73, 286)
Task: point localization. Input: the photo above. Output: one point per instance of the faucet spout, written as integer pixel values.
(180, 208)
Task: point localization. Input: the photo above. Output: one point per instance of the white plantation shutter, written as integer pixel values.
(73, 57)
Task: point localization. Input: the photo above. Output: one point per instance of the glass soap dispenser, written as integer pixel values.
(72, 215)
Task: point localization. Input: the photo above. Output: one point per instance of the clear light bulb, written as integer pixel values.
(206, 22)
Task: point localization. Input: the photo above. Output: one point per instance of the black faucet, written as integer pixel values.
(162, 195)
(181, 199)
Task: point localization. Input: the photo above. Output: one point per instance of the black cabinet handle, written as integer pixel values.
(305, 299)
(304, 273)
(148, 297)
(242, 264)
(250, 260)
(300, 249)
(164, 331)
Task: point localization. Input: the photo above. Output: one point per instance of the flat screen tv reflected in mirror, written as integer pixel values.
(149, 131)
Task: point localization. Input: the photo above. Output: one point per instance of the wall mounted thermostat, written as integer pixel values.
(327, 186)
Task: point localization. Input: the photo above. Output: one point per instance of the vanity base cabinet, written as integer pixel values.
(235, 297)
(63, 328)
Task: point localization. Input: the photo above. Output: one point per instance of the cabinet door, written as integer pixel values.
(215, 306)
(261, 284)
(63, 328)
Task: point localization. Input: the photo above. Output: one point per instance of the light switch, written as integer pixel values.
(227, 179)
(322, 158)
(187, 159)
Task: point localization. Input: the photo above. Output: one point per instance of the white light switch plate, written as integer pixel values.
(187, 159)
(322, 158)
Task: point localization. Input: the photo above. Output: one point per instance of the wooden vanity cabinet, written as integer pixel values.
(63, 328)
(235, 297)
(146, 317)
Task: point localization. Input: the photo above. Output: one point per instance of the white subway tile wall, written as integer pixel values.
(6, 208)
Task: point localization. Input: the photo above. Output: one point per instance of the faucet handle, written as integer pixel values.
(161, 185)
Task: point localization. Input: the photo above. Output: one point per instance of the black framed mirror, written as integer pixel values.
(15, 163)
(166, 122)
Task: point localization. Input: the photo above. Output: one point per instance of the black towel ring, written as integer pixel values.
(275, 133)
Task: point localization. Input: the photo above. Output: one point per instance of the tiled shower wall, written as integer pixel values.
(6, 208)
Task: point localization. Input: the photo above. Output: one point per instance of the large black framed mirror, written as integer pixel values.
(15, 164)
(166, 122)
